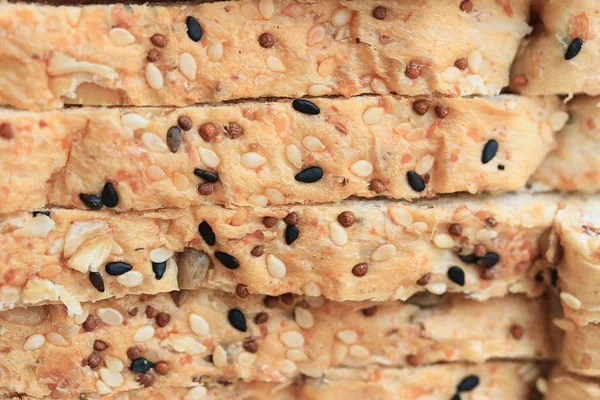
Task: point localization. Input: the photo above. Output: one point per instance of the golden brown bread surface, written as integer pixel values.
(254, 338)
(377, 250)
(218, 51)
(563, 385)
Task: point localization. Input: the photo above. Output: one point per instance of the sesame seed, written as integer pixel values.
(305, 107)
(467, 384)
(346, 219)
(421, 106)
(517, 331)
(6, 131)
(456, 275)
(194, 30)
(237, 319)
(266, 40)
(574, 48)
(91, 201)
(489, 151)
(570, 300)
(158, 40)
(309, 175)
(117, 268)
(242, 291)
(174, 138)
(489, 259)
(360, 269)
(141, 365)
(159, 269)
(97, 281)
(276, 267)
(291, 234)
(424, 280)
(208, 176)
(379, 12)
(207, 233)
(227, 260)
(415, 181)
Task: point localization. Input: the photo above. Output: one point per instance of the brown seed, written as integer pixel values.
(291, 218)
(421, 106)
(491, 222)
(145, 380)
(346, 219)
(466, 6)
(100, 345)
(250, 344)
(379, 12)
(134, 353)
(287, 298)
(258, 251)
(242, 291)
(162, 368)
(414, 360)
(208, 131)
(163, 319)
(185, 122)
(461, 64)
(153, 55)
(90, 323)
(266, 40)
(158, 40)
(151, 312)
(480, 250)
(377, 186)
(413, 69)
(424, 280)
(520, 80)
(233, 130)
(517, 331)
(261, 318)
(369, 311)
(455, 229)
(196, 378)
(360, 269)
(488, 274)
(206, 188)
(269, 221)
(6, 131)
(271, 301)
(441, 111)
(174, 138)
(94, 360)
(133, 312)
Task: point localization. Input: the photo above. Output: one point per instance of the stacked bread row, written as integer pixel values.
(159, 248)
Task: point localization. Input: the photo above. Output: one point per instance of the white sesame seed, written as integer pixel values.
(113, 363)
(102, 388)
(274, 196)
(347, 336)
(120, 37)
(154, 76)
(266, 8)
(424, 164)
(246, 358)
(312, 289)
(275, 64)
(443, 241)
(131, 279)
(360, 352)
(416, 134)
(326, 67)
(38, 227)
(570, 300)
(143, 334)
(558, 120)
(292, 339)
(187, 66)
(304, 318)
(341, 17)
(110, 316)
(160, 254)
(451, 75)
(362, 168)
(180, 181)
(282, 124)
(34, 342)
(474, 60)
(310, 370)
(384, 252)
(541, 385)
(134, 121)
(56, 339)
(253, 160)
(293, 10)
(240, 217)
(437, 288)
(73, 14)
(420, 227)
(286, 367)
(379, 86)
(319, 90)
(339, 353)
(403, 128)
(126, 133)
(219, 357)
(312, 143)
(296, 355)
(81, 317)
(401, 216)
(294, 155)
(208, 157)
(112, 379)
(337, 234)
(250, 12)
(198, 324)
(373, 115)
(196, 393)
(155, 173)
(215, 52)
(153, 142)
(276, 267)
(315, 35)
(258, 200)
(342, 34)
(315, 302)
(262, 80)
(484, 235)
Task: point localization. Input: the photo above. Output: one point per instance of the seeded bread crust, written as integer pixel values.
(580, 349)
(501, 379)
(304, 335)
(383, 250)
(56, 54)
(574, 164)
(563, 385)
(364, 146)
(541, 66)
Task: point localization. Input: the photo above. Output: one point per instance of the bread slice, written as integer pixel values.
(268, 153)
(563, 385)
(561, 56)
(109, 54)
(580, 349)
(254, 338)
(378, 250)
(574, 164)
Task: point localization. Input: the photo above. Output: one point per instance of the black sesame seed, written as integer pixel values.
(501, 167)
(117, 268)
(415, 181)
(41, 212)
(173, 138)
(227, 260)
(237, 319)
(310, 175)
(291, 234)
(456, 397)
(194, 30)
(208, 176)
(141, 365)
(110, 198)
(539, 277)
(489, 151)
(306, 107)
(467, 384)
(554, 276)
(159, 269)
(207, 233)
(91, 201)
(456, 275)
(489, 260)
(574, 48)
(468, 259)
(97, 281)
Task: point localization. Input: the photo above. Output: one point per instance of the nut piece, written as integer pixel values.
(192, 266)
